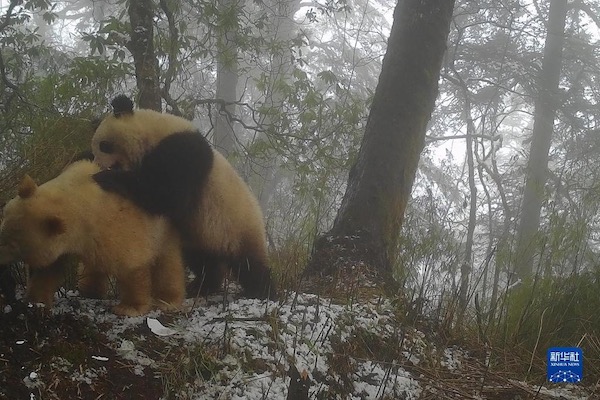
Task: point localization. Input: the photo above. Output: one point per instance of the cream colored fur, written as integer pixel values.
(228, 212)
(134, 135)
(71, 214)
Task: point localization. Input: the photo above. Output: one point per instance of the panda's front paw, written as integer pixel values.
(105, 179)
(114, 181)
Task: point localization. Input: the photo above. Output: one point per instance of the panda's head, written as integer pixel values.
(116, 138)
(123, 137)
(34, 228)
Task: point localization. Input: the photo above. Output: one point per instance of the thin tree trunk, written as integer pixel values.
(466, 266)
(227, 80)
(545, 112)
(224, 137)
(141, 15)
(503, 246)
(268, 174)
(366, 230)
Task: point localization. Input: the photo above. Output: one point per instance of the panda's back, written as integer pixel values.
(229, 214)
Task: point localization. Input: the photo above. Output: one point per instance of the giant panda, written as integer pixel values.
(163, 163)
(72, 215)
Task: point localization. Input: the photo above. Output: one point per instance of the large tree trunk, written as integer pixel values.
(543, 125)
(364, 238)
(141, 15)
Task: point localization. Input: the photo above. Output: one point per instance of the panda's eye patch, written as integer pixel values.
(107, 147)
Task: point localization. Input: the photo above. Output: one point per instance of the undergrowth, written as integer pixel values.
(553, 312)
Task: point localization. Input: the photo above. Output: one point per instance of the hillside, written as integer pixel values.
(244, 349)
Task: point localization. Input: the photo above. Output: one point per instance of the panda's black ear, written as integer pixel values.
(122, 105)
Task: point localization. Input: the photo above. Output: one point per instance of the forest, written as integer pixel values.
(439, 155)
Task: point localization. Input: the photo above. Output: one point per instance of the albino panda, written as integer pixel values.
(72, 215)
(167, 167)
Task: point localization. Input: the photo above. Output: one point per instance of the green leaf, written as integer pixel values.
(328, 77)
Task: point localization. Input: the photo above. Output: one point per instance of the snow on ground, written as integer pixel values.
(261, 340)
(244, 348)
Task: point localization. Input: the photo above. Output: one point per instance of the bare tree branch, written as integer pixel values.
(430, 139)
(222, 109)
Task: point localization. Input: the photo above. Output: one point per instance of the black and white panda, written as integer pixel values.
(162, 163)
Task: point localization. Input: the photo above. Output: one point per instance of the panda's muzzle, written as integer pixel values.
(116, 166)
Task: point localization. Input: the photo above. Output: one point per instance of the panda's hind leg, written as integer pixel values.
(92, 283)
(255, 278)
(168, 278)
(209, 271)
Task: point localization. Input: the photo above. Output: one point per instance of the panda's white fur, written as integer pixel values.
(165, 165)
(134, 135)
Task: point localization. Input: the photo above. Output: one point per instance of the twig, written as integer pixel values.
(537, 341)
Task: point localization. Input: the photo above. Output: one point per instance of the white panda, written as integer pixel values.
(162, 163)
(70, 214)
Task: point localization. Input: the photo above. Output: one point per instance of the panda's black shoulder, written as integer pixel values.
(174, 173)
(186, 152)
(188, 155)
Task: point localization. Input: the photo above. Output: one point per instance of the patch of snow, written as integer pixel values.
(128, 351)
(375, 379)
(60, 364)
(452, 358)
(300, 333)
(87, 376)
(32, 381)
(126, 347)
(139, 370)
